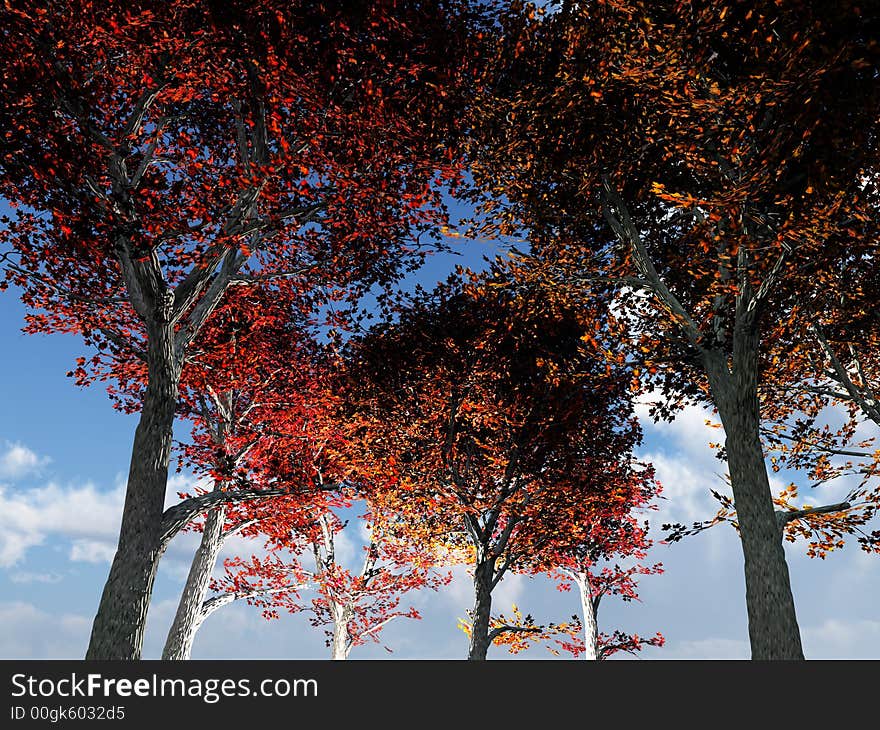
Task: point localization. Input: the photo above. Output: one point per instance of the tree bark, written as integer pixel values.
(118, 628)
(340, 647)
(178, 645)
(733, 382)
(483, 574)
(591, 625)
(773, 627)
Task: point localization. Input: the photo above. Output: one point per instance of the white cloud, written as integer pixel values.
(842, 639)
(31, 633)
(183, 484)
(13, 545)
(77, 512)
(29, 577)
(83, 514)
(686, 484)
(508, 592)
(690, 434)
(460, 591)
(19, 461)
(459, 594)
(92, 551)
(687, 469)
(239, 631)
(349, 551)
(712, 648)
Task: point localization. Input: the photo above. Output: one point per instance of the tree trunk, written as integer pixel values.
(340, 646)
(773, 627)
(180, 639)
(483, 574)
(591, 625)
(118, 628)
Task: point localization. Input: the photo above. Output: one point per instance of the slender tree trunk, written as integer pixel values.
(180, 639)
(340, 646)
(483, 574)
(591, 625)
(118, 628)
(773, 627)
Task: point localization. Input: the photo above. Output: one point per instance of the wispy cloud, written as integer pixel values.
(31, 633)
(76, 512)
(17, 461)
(83, 515)
(843, 639)
(711, 648)
(29, 577)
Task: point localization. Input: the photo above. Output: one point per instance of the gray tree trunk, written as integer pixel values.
(733, 379)
(773, 627)
(591, 625)
(118, 628)
(479, 645)
(188, 618)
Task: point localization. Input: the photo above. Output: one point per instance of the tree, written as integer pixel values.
(817, 423)
(157, 154)
(504, 421)
(603, 561)
(708, 158)
(354, 605)
(263, 398)
(256, 392)
(613, 537)
(815, 439)
(195, 603)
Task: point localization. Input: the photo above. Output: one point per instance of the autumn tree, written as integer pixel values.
(817, 406)
(156, 154)
(352, 606)
(711, 160)
(606, 562)
(505, 420)
(822, 423)
(261, 394)
(255, 391)
(815, 436)
(603, 558)
(197, 602)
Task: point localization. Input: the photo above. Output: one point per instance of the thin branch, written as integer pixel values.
(760, 296)
(495, 633)
(235, 529)
(375, 627)
(826, 449)
(272, 276)
(222, 599)
(176, 517)
(783, 517)
(618, 217)
(499, 574)
(842, 377)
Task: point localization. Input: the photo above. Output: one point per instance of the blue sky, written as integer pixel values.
(64, 453)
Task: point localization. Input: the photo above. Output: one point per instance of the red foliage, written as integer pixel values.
(353, 606)
(503, 416)
(157, 154)
(183, 146)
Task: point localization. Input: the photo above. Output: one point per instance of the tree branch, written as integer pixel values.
(825, 449)
(222, 599)
(176, 517)
(495, 633)
(842, 377)
(626, 231)
(783, 517)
